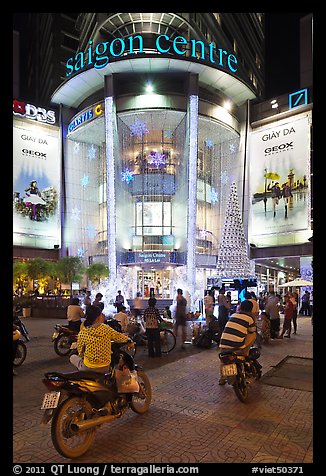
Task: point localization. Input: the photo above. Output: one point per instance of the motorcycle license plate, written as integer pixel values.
(229, 370)
(55, 335)
(50, 400)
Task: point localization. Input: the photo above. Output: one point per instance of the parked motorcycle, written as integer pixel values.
(21, 352)
(240, 371)
(79, 402)
(62, 339)
(19, 323)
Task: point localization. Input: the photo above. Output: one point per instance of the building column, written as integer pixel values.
(110, 134)
(192, 141)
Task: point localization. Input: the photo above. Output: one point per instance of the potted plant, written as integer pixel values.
(25, 303)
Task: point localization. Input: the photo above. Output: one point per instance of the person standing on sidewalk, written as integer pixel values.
(223, 311)
(152, 319)
(180, 316)
(272, 309)
(288, 316)
(294, 300)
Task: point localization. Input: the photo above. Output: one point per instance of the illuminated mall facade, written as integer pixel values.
(154, 129)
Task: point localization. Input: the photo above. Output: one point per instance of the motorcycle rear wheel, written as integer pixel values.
(62, 345)
(67, 442)
(241, 389)
(21, 353)
(141, 401)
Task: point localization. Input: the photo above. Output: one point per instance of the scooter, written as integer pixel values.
(62, 339)
(78, 403)
(240, 371)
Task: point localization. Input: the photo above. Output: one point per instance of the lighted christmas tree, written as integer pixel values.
(233, 260)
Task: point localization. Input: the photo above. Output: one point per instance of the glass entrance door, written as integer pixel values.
(152, 282)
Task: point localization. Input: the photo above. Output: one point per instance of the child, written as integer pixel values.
(265, 327)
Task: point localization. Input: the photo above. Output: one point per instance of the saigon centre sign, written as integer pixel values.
(98, 56)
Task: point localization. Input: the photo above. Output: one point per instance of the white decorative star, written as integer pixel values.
(214, 195)
(127, 176)
(168, 134)
(76, 147)
(232, 148)
(209, 143)
(138, 128)
(80, 252)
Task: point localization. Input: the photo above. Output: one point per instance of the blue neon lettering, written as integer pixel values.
(131, 43)
(182, 41)
(79, 61)
(122, 47)
(234, 60)
(99, 58)
(193, 48)
(69, 67)
(158, 46)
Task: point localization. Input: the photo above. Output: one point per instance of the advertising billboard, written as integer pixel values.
(36, 185)
(280, 180)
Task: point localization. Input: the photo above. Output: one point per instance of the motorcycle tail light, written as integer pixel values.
(52, 384)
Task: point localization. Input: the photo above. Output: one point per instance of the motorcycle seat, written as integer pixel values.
(80, 375)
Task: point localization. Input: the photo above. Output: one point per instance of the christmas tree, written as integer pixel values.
(233, 260)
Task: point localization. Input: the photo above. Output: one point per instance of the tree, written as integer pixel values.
(20, 275)
(70, 269)
(96, 271)
(39, 269)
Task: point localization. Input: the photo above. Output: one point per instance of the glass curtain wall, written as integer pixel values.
(84, 230)
(149, 173)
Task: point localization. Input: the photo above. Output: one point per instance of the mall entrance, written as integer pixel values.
(154, 282)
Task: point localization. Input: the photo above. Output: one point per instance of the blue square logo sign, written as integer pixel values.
(298, 99)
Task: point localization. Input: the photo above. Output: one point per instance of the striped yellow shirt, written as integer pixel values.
(235, 331)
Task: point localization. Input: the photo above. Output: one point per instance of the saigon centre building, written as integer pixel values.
(154, 126)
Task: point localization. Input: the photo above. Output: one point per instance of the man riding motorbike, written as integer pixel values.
(239, 332)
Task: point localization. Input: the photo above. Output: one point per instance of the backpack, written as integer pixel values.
(204, 340)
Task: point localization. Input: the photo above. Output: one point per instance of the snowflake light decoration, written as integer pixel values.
(76, 147)
(224, 177)
(91, 231)
(157, 159)
(138, 129)
(127, 176)
(80, 252)
(214, 195)
(209, 143)
(84, 181)
(232, 148)
(168, 134)
(92, 152)
(75, 214)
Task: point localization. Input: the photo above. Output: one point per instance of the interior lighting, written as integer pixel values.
(149, 88)
(227, 105)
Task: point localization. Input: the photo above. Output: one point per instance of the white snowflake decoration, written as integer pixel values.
(92, 152)
(157, 159)
(214, 195)
(138, 129)
(232, 148)
(75, 214)
(209, 143)
(76, 147)
(84, 181)
(91, 231)
(168, 134)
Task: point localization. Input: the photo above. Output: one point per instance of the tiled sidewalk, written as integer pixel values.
(191, 420)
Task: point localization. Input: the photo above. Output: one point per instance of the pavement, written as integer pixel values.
(192, 419)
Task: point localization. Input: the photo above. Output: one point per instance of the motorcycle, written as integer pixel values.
(80, 402)
(240, 371)
(62, 339)
(19, 323)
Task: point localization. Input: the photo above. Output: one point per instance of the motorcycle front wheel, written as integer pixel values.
(62, 345)
(141, 401)
(21, 353)
(65, 439)
(240, 388)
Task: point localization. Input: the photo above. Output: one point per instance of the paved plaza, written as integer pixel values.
(192, 419)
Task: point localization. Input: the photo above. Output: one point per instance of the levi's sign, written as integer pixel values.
(98, 56)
